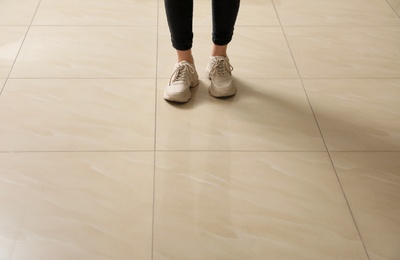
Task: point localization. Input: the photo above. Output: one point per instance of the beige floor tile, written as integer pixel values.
(12, 201)
(10, 43)
(246, 177)
(251, 206)
(255, 52)
(371, 182)
(7, 239)
(264, 115)
(261, 52)
(357, 115)
(251, 13)
(337, 13)
(82, 205)
(351, 52)
(395, 5)
(257, 13)
(97, 12)
(87, 52)
(70, 115)
(17, 12)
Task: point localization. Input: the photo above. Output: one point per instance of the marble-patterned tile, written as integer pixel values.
(10, 43)
(251, 13)
(216, 205)
(264, 115)
(72, 115)
(335, 13)
(19, 12)
(346, 52)
(81, 205)
(96, 12)
(371, 183)
(7, 237)
(357, 114)
(87, 52)
(12, 200)
(395, 5)
(257, 13)
(261, 52)
(255, 52)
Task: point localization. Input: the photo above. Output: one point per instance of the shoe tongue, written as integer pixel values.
(182, 63)
(217, 58)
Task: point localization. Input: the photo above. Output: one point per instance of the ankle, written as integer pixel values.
(191, 60)
(219, 50)
(185, 56)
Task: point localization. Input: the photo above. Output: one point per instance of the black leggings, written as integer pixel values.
(180, 21)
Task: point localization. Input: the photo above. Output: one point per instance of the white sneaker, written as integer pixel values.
(219, 72)
(183, 78)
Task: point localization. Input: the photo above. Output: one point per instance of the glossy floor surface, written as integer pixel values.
(303, 163)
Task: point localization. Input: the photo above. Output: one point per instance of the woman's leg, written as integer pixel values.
(224, 18)
(219, 68)
(180, 22)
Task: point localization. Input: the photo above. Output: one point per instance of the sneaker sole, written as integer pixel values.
(228, 92)
(180, 97)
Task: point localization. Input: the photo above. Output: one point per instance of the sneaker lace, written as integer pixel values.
(181, 73)
(220, 68)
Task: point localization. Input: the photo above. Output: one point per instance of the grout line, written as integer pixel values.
(348, 205)
(355, 78)
(155, 133)
(337, 176)
(198, 151)
(350, 25)
(207, 26)
(4, 85)
(398, 15)
(1, 92)
(74, 78)
(299, 75)
(204, 78)
(20, 47)
(322, 136)
(94, 25)
(82, 151)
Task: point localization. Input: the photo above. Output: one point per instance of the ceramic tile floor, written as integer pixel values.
(303, 163)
